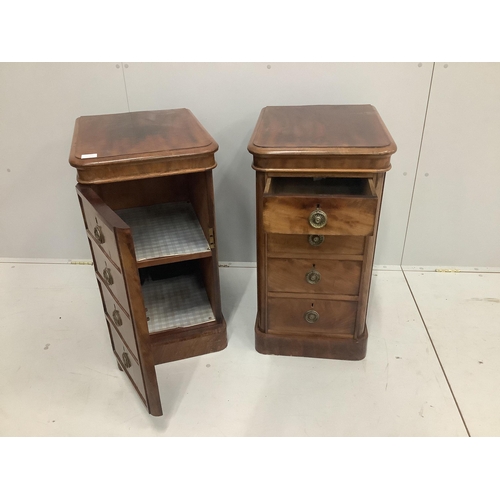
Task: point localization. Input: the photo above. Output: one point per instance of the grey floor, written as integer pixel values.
(431, 368)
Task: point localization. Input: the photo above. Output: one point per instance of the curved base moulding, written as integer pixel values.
(311, 346)
(201, 341)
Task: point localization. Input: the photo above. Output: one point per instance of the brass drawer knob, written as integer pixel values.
(311, 316)
(315, 240)
(107, 275)
(312, 277)
(318, 219)
(98, 234)
(126, 360)
(117, 318)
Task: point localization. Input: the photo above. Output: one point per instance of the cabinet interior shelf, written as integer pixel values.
(166, 232)
(176, 302)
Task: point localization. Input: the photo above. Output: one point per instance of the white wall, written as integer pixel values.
(39, 215)
(455, 216)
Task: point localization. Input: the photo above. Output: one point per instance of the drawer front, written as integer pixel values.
(127, 361)
(110, 275)
(120, 319)
(323, 316)
(337, 277)
(353, 216)
(101, 234)
(314, 244)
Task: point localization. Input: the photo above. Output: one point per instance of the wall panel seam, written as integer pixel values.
(418, 164)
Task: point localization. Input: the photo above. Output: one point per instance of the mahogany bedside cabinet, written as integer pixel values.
(146, 192)
(320, 174)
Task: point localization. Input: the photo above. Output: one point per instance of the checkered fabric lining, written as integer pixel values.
(164, 229)
(176, 302)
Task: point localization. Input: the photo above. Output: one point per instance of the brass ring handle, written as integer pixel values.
(311, 316)
(126, 360)
(312, 277)
(117, 318)
(107, 276)
(318, 219)
(98, 234)
(315, 240)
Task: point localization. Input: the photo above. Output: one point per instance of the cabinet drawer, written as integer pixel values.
(111, 276)
(120, 319)
(127, 362)
(314, 244)
(99, 231)
(338, 277)
(323, 316)
(327, 206)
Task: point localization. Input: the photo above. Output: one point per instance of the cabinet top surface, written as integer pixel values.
(138, 136)
(321, 130)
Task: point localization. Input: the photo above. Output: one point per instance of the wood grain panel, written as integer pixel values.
(117, 288)
(126, 329)
(299, 244)
(335, 317)
(93, 220)
(134, 371)
(353, 216)
(336, 276)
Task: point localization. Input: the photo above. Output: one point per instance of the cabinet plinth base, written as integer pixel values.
(200, 341)
(311, 347)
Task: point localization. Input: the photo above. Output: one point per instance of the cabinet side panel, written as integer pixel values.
(366, 273)
(132, 280)
(201, 191)
(261, 255)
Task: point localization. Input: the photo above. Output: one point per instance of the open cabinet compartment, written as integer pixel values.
(171, 221)
(326, 186)
(175, 296)
(154, 252)
(349, 205)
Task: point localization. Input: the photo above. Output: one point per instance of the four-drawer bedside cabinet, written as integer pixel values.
(146, 193)
(320, 174)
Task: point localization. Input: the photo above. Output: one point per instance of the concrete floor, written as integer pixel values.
(436, 377)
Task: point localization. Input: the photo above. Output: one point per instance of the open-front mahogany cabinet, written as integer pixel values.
(146, 193)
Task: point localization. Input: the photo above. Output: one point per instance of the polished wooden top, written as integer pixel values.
(321, 130)
(139, 136)
(140, 145)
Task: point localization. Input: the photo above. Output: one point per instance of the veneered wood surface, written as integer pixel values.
(368, 261)
(202, 197)
(134, 371)
(286, 316)
(313, 143)
(134, 291)
(126, 329)
(126, 286)
(143, 159)
(354, 216)
(336, 276)
(117, 288)
(321, 130)
(143, 192)
(97, 213)
(261, 237)
(142, 134)
(139, 145)
(321, 165)
(298, 244)
(312, 346)
(185, 343)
